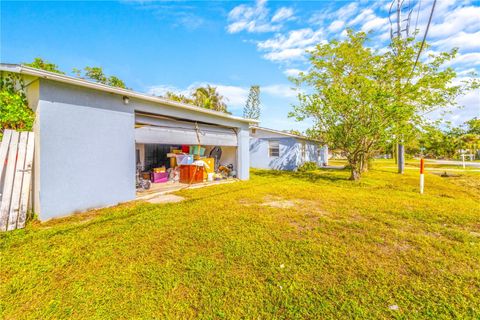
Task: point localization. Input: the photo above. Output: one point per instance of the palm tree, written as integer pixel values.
(209, 98)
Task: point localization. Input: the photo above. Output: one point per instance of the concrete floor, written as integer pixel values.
(158, 189)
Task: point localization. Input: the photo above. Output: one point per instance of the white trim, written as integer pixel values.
(15, 68)
(284, 133)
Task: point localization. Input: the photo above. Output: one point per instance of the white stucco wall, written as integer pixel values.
(85, 149)
(291, 154)
(288, 159)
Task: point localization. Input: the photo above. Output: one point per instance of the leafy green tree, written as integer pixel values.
(39, 63)
(14, 111)
(473, 126)
(360, 99)
(295, 132)
(205, 97)
(252, 106)
(96, 74)
(209, 98)
(178, 97)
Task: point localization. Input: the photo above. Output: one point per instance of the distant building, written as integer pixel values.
(273, 149)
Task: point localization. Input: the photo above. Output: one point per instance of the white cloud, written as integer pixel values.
(365, 15)
(469, 59)
(251, 18)
(286, 55)
(462, 19)
(279, 90)
(336, 25)
(347, 11)
(462, 40)
(282, 14)
(294, 39)
(375, 24)
(292, 72)
(161, 90)
(236, 96)
(291, 46)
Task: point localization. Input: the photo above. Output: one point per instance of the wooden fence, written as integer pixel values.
(16, 160)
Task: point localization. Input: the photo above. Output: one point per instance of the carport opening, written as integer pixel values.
(177, 152)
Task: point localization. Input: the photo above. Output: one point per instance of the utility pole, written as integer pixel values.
(403, 9)
(400, 14)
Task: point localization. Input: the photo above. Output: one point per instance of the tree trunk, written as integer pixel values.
(355, 174)
(364, 164)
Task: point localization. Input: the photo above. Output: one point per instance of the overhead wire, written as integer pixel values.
(424, 39)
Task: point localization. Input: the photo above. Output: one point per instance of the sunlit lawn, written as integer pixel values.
(282, 245)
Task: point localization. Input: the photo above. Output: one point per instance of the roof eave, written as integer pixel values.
(286, 134)
(15, 68)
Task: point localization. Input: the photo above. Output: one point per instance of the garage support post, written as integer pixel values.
(243, 153)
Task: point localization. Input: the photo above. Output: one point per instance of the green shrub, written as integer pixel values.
(308, 166)
(14, 111)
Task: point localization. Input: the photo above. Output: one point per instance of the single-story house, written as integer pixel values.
(90, 137)
(273, 149)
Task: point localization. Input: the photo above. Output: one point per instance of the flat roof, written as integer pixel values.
(21, 69)
(284, 133)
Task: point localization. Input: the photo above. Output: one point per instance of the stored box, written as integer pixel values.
(191, 174)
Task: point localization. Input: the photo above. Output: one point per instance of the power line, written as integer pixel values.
(424, 38)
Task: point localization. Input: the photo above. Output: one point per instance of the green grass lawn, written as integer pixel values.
(280, 246)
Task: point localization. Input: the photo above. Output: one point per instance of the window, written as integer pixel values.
(273, 148)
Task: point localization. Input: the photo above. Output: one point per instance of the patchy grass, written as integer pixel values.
(282, 245)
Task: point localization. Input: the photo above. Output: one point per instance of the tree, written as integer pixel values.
(92, 73)
(209, 98)
(39, 63)
(96, 74)
(293, 131)
(473, 126)
(205, 97)
(252, 106)
(14, 111)
(360, 99)
(178, 97)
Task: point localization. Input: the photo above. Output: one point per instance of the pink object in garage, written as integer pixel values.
(159, 177)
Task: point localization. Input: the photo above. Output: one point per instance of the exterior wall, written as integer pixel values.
(85, 150)
(291, 153)
(287, 160)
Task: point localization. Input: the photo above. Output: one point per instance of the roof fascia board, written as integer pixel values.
(131, 94)
(284, 133)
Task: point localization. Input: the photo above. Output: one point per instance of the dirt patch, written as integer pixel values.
(279, 204)
(166, 198)
(301, 205)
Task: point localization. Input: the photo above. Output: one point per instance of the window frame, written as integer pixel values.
(271, 149)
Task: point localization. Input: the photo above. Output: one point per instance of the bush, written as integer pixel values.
(14, 111)
(308, 166)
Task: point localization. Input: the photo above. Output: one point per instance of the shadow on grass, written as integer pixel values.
(331, 175)
(84, 220)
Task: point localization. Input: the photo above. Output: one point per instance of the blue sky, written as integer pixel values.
(163, 45)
